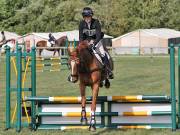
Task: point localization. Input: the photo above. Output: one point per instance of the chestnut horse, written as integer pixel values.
(58, 43)
(85, 66)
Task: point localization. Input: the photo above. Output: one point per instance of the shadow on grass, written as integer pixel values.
(106, 130)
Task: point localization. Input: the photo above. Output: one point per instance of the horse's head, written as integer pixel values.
(73, 62)
(80, 60)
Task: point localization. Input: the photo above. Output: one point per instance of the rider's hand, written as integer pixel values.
(92, 47)
(91, 42)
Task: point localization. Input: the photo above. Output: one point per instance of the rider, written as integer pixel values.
(3, 41)
(90, 29)
(51, 39)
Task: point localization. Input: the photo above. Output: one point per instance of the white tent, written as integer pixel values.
(33, 38)
(144, 41)
(10, 35)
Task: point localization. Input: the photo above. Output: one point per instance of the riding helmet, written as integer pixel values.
(50, 34)
(87, 11)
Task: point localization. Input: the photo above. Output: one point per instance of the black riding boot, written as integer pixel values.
(106, 63)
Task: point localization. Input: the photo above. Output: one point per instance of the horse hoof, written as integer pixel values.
(101, 84)
(92, 128)
(107, 84)
(84, 121)
(69, 78)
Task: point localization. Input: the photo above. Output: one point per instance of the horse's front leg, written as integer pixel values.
(83, 104)
(95, 91)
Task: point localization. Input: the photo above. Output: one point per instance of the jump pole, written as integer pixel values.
(111, 98)
(19, 55)
(172, 80)
(138, 98)
(172, 43)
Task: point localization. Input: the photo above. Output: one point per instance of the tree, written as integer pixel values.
(116, 16)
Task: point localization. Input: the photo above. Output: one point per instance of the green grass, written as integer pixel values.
(133, 76)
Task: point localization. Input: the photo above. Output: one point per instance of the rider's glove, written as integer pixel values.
(92, 46)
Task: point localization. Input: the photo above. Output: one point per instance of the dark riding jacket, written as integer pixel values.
(91, 32)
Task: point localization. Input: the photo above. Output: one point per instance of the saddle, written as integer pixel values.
(99, 58)
(102, 67)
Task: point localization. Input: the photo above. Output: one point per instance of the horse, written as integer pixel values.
(89, 71)
(58, 43)
(10, 43)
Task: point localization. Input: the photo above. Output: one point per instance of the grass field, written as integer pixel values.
(133, 76)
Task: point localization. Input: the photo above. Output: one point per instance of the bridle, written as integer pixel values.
(74, 58)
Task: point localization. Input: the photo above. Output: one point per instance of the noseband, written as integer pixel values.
(74, 75)
(74, 58)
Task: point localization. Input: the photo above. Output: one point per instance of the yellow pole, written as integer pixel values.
(14, 65)
(23, 95)
(15, 69)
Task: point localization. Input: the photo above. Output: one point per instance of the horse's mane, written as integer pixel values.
(63, 37)
(86, 58)
(82, 45)
(84, 52)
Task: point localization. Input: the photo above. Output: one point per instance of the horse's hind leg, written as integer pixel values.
(83, 104)
(95, 89)
(40, 51)
(54, 52)
(59, 52)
